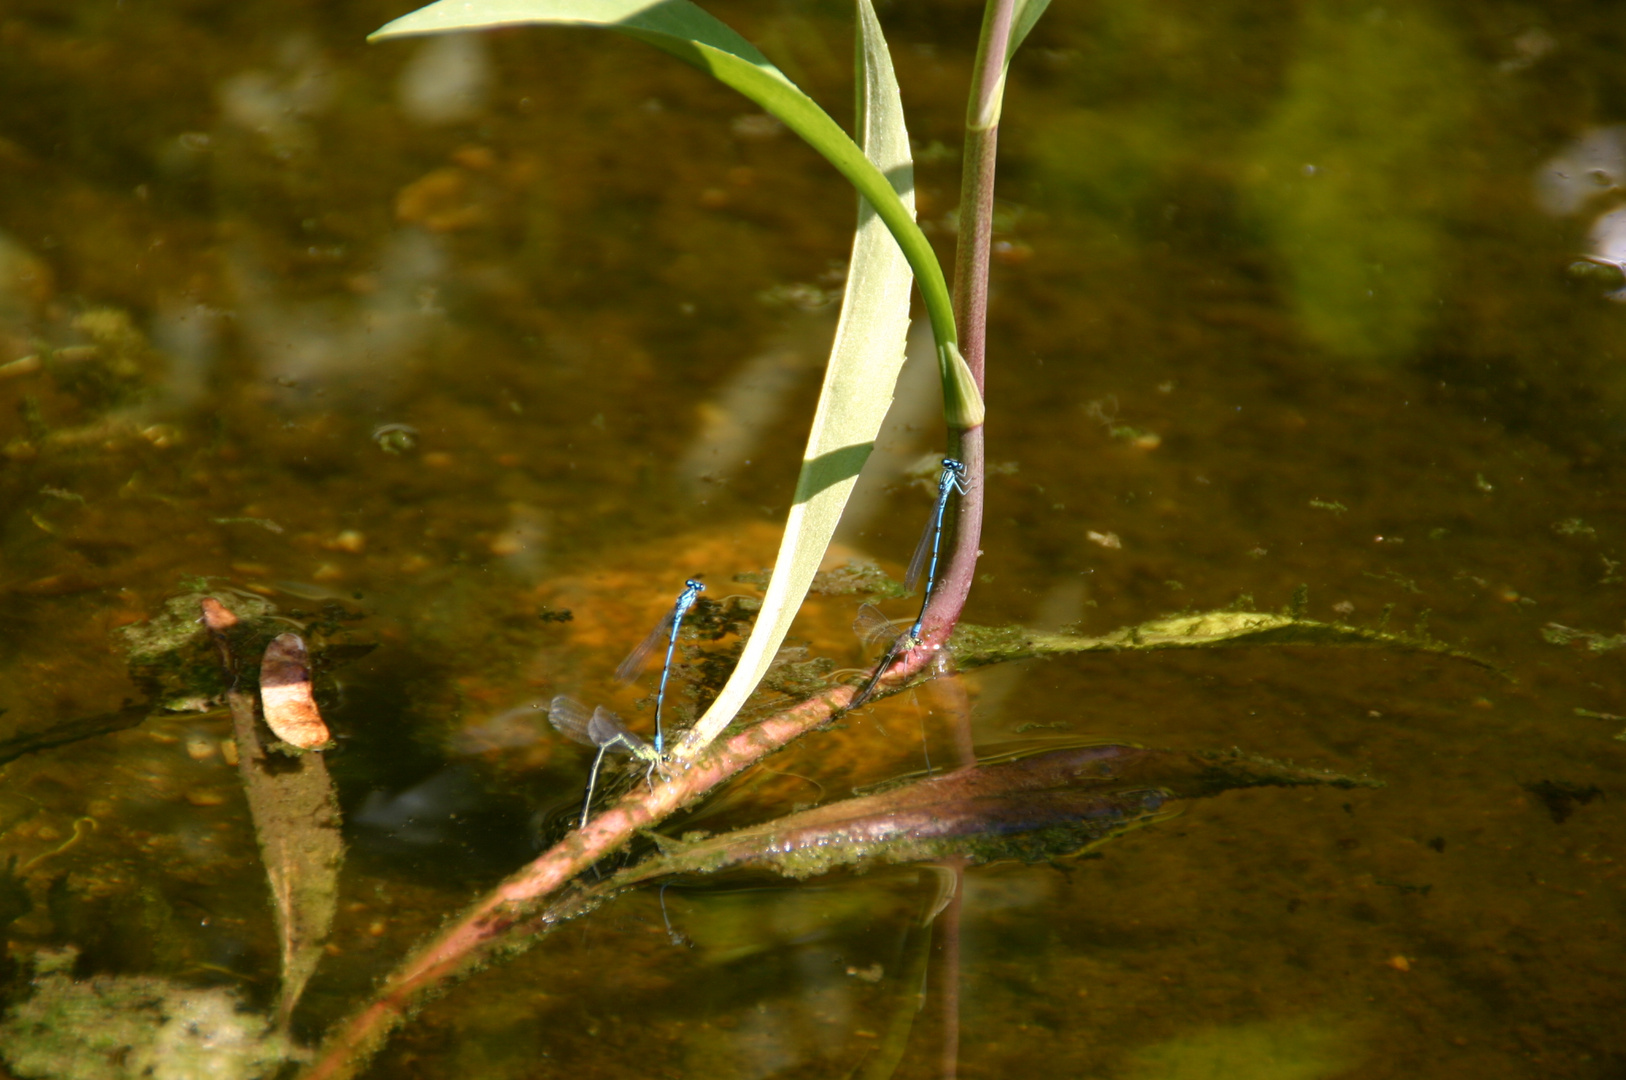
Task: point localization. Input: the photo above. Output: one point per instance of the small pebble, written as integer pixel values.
(349, 541)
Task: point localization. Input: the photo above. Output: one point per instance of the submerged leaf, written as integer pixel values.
(294, 807)
(1031, 807)
(975, 646)
(296, 820)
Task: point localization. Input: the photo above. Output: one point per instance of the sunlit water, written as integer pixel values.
(462, 335)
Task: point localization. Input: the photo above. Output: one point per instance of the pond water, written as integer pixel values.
(439, 341)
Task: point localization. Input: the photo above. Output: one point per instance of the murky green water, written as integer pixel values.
(1281, 299)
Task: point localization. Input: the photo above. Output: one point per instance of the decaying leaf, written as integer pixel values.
(294, 807)
(285, 694)
(217, 616)
(296, 820)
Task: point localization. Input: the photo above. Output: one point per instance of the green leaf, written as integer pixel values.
(1027, 14)
(1024, 16)
(690, 34)
(975, 646)
(867, 354)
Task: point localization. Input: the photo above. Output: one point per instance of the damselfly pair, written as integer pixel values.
(871, 625)
(604, 729)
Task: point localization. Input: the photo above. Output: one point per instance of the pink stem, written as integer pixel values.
(971, 264)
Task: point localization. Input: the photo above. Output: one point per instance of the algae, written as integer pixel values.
(172, 657)
(117, 1027)
(1300, 1048)
(1348, 177)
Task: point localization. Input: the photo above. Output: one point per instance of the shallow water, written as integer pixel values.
(1282, 299)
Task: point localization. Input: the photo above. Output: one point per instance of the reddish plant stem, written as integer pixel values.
(971, 262)
(968, 445)
(490, 920)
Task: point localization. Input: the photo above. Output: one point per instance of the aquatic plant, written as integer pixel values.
(865, 360)
(868, 350)
(513, 914)
(293, 808)
(888, 249)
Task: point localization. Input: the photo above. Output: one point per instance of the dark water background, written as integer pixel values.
(1281, 298)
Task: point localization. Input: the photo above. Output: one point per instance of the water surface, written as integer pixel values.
(1282, 297)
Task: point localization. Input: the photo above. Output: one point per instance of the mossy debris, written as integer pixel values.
(119, 1027)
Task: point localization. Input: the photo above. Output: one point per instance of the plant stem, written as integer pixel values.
(966, 444)
(971, 304)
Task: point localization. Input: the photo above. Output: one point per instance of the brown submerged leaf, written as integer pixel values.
(1031, 807)
(1036, 806)
(295, 812)
(296, 820)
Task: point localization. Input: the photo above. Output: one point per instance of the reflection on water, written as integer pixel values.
(1316, 254)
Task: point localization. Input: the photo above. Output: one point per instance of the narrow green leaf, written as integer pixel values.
(1027, 15)
(987, 111)
(975, 646)
(690, 34)
(867, 355)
